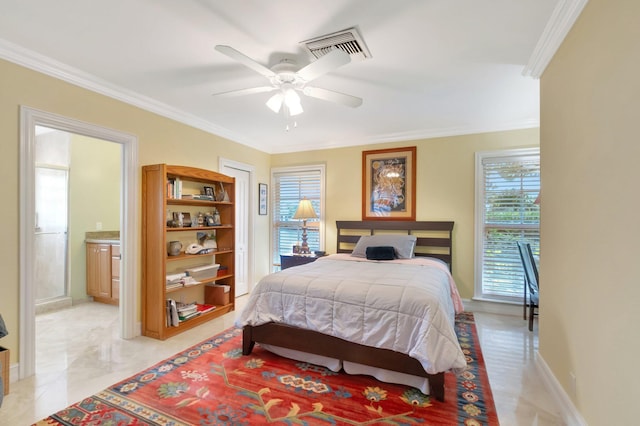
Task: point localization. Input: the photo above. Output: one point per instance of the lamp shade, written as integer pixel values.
(305, 210)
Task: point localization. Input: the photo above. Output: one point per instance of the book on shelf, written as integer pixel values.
(186, 311)
(180, 280)
(174, 188)
(184, 317)
(174, 285)
(204, 308)
(185, 307)
(197, 197)
(175, 278)
(189, 281)
(172, 313)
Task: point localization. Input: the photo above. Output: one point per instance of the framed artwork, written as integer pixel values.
(262, 199)
(389, 184)
(208, 190)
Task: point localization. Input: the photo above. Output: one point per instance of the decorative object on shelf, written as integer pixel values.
(305, 211)
(389, 184)
(262, 199)
(173, 219)
(223, 195)
(213, 218)
(174, 248)
(177, 220)
(208, 190)
(207, 240)
(222, 270)
(186, 220)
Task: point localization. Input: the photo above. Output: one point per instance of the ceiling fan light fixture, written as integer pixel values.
(275, 102)
(292, 101)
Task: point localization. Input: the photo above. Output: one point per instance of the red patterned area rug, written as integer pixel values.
(213, 384)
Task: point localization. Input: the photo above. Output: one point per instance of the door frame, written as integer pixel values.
(129, 212)
(222, 164)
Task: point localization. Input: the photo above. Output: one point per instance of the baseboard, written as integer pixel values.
(569, 412)
(53, 305)
(500, 308)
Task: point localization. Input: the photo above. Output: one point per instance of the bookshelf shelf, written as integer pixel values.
(200, 228)
(200, 283)
(159, 200)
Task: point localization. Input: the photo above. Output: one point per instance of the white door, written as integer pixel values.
(243, 178)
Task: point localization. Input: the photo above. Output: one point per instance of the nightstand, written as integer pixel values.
(290, 260)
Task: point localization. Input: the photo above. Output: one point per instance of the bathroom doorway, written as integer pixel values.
(127, 178)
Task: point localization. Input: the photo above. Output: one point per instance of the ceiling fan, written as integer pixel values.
(288, 80)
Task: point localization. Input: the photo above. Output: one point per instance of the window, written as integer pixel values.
(507, 185)
(289, 185)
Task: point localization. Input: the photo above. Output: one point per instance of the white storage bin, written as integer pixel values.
(204, 272)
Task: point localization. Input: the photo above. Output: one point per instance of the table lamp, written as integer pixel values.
(305, 211)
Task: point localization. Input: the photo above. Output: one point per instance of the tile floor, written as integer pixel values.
(79, 353)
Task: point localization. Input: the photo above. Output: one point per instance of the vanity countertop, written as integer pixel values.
(102, 241)
(102, 237)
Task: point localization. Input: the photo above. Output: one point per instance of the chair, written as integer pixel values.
(531, 280)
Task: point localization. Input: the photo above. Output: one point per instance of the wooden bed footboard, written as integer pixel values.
(321, 344)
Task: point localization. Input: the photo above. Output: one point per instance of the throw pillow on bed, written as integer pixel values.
(403, 244)
(381, 253)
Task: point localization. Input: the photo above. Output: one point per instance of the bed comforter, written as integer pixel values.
(406, 305)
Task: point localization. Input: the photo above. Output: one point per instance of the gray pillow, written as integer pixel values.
(403, 244)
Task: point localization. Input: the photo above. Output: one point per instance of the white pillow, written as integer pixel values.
(403, 244)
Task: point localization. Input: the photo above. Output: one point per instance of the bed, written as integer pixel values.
(366, 316)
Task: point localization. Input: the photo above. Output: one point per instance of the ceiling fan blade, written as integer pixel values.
(245, 60)
(329, 62)
(331, 96)
(241, 92)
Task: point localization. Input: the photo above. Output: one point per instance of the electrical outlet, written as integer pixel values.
(98, 226)
(572, 384)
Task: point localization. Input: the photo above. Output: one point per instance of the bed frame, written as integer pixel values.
(434, 239)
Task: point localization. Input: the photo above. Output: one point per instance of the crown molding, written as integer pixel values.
(45, 65)
(406, 136)
(564, 15)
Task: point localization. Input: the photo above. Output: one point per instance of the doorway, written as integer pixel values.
(29, 120)
(244, 175)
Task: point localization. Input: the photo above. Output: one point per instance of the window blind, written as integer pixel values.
(511, 184)
(289, 187)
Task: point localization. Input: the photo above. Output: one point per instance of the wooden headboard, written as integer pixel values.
(434, 239)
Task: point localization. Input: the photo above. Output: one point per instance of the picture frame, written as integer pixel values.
(186, 220)
(389, 184)
(208, 190)
(262, 198)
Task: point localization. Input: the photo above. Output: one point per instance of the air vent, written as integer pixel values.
(348, 40)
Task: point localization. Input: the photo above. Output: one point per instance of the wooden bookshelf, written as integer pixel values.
(159, 200)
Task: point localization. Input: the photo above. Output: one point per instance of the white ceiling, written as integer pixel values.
(438, 67)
